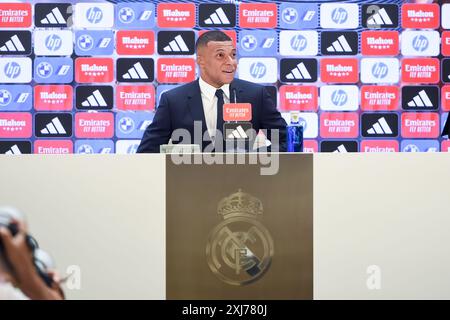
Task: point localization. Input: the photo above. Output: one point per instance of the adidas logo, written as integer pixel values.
(14, 150)
(340, 149)
(54, 17)
(13, 45)
(176, 45)
(380, 127)
(238, 133)
(218, 17)
(380, 18)
(299, 72)
(95, 100)
(340, 45)
(136, 72)
(420, 100)
(54, 127)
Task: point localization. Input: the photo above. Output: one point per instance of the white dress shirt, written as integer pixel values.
(209, 101)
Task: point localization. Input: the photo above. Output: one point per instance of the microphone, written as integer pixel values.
(237, 124)
(234, 95)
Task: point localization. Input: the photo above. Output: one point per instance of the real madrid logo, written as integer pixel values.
(240, 249)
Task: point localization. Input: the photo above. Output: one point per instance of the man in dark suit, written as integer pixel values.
(201, 101)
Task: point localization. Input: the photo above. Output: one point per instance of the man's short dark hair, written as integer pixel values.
(211, 36)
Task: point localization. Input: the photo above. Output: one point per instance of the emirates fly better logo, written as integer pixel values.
(420, 125)
(379, 98)
(253, 15)
(137, 97)
(424, 70)
(15, 15)
(339, 124)
(176, 70)
(94, 125)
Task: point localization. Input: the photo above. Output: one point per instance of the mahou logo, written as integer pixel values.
(420, 125)
(379, 43)
(339, 124)
(258, 15)
(15, 125)
(135, 42)
(339, 70)
(303, 98)
(379, 146)
(94, 125)
(176, 15)
(135, 98)
(420, 16)
(94, 70)
(424, 70)
(15, 15)
(53, 147)
(445, 97)
(176, 70)
(53, 97)
(374, 98)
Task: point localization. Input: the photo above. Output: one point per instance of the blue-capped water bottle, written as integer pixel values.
(295, 133)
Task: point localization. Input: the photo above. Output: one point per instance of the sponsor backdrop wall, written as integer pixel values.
(85, 77)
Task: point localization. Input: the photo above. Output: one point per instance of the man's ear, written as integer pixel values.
(199, 60)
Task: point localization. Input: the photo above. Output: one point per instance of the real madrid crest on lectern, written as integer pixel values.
(240, 249)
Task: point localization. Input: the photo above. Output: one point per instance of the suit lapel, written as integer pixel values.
(195, 105)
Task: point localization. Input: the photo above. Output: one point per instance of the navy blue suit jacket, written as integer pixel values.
(180, 107)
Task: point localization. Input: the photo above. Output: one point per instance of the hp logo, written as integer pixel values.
(5, 97)
(298, 43)
(339, 15)
(12, 70)
(339, 98)
(85, 149)
(53, 42)
(85, 42)
(44, 69)
(289, 15)
(126, 15)
(249, 43)
(94, 15)
(126, 125)
(258, 70)
(420, 43)
(379, 70)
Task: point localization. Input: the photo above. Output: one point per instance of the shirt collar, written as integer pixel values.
(209, 91)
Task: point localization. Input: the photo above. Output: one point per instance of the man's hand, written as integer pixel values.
(20, 257)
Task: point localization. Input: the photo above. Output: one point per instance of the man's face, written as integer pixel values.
(217, 62)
